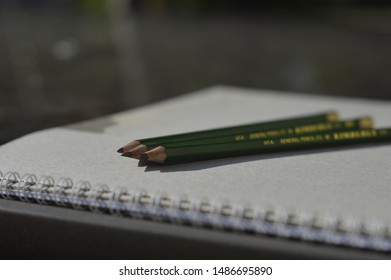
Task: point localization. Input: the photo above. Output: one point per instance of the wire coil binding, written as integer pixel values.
(181, 210)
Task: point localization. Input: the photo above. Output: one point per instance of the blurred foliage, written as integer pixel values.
(92, 6)
(63, 61)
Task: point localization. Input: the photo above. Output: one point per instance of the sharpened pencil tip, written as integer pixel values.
(143, 160)
(120, 150)
(126, 155)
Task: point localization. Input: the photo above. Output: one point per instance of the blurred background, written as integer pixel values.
(63, 61)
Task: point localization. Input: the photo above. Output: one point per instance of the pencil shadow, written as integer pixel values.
(199, 165)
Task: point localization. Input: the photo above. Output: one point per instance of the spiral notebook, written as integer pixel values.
(336, 197)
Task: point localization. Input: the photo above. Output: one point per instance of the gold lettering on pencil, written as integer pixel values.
(327, 137)
(257, 135)
(354, 134)
(272, 133)
(307, 138)
(313, 128)
(265, 134)
(239, 137)
(289, 140)
(268, 142)
(301, 139)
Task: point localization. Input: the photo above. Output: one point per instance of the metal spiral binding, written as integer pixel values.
(96, 193)
(60, 190)
(24, 187)
(78, 195)
(8, 181)
(42, 193)
(181, 210)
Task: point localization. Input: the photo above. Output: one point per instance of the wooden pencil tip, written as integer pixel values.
(126, 155)
(120, 150)
(143, 160)
(156, 155)
(130, 146)
(140, 149)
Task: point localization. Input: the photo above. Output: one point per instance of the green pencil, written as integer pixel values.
(182, 154)
(365, 122)
(316, 118)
